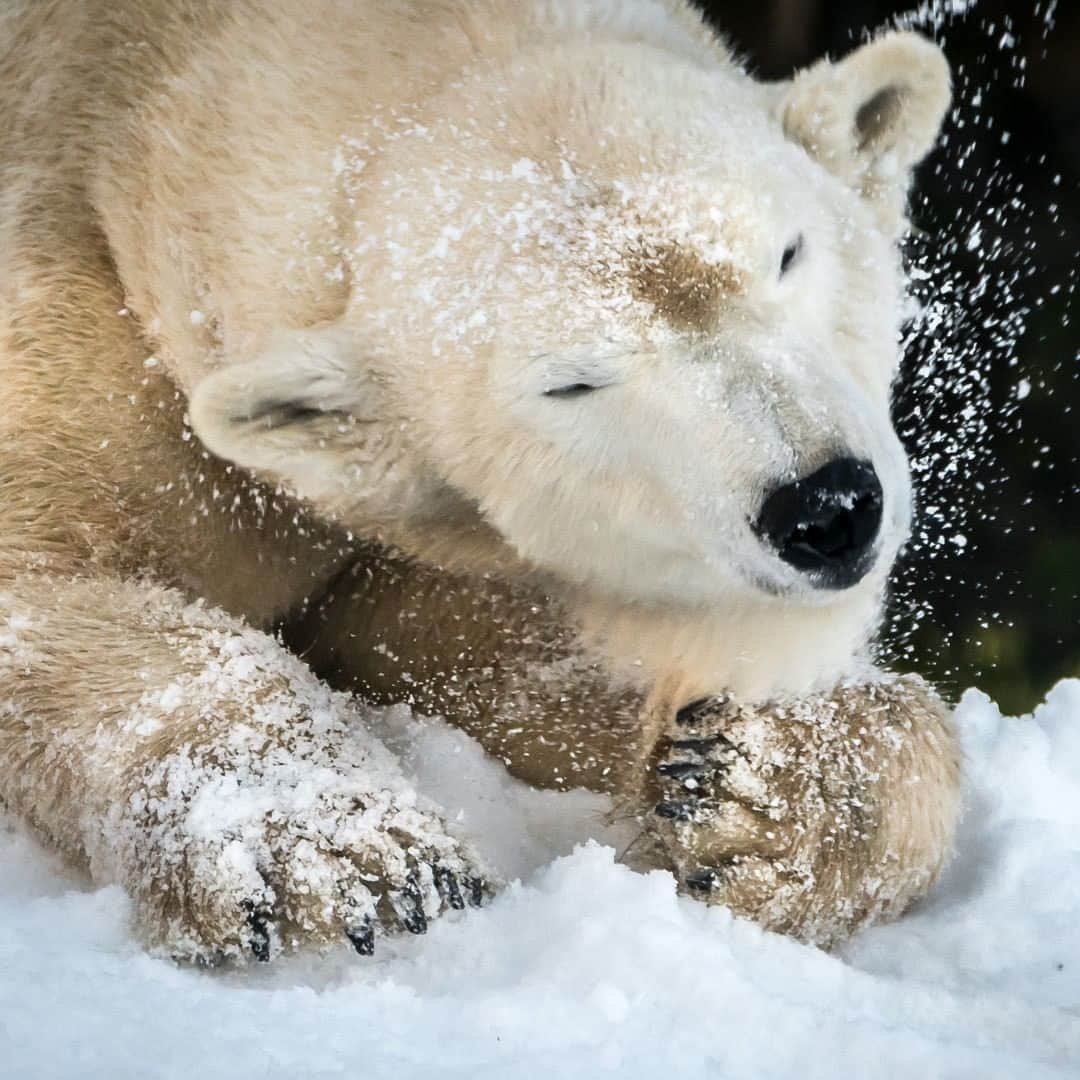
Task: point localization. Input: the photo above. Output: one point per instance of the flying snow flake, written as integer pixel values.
(978, 287)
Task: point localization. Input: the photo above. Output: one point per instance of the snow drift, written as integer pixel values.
(585, 969)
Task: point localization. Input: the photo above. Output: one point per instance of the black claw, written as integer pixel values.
(474, 887)
(702, 880)
(675, 811)
(683, 770)
(689, 713)
(258, 920)
(260, 944)
(702, 746)
(410, 906)
(447, 884)
(415, 921)
(363, 937)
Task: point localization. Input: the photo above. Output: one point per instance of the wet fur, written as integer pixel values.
(119, 128)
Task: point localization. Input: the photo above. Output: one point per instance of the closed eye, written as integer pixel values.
(574, 390)
(791, 254)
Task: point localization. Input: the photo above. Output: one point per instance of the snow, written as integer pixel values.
(583, 968)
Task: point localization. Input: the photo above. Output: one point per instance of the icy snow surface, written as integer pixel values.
(585, 969)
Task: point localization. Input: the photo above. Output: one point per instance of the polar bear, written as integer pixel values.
(526, 361)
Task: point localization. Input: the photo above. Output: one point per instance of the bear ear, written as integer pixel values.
(295, 412)
(873, 116)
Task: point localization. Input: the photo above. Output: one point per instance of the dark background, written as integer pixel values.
(988, 592)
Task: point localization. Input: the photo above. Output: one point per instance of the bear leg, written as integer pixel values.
(192, 760)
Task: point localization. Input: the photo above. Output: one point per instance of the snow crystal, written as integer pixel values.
(584, 968)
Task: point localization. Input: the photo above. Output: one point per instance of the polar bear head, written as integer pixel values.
(633, 317)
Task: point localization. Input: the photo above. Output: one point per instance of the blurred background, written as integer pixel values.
(988, 593)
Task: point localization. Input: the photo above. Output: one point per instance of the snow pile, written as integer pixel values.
(586, 969)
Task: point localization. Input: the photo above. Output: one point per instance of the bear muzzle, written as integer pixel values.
(825, 524)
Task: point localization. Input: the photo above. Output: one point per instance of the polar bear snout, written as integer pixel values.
(826, 524)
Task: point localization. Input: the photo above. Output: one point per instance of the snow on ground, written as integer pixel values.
(585, 969)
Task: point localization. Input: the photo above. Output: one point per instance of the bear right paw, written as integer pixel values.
(255, 847)
(329, 874)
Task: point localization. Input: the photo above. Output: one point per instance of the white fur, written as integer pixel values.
(488, 226)
(363, 240)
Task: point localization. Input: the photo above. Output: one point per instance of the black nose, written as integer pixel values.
(825, 524)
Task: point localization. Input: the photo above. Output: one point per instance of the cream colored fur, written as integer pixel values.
(279, 281)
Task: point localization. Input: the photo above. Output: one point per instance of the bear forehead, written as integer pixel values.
(681, 286)
(683, 256)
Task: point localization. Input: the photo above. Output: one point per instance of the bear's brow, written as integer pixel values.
(681, 286)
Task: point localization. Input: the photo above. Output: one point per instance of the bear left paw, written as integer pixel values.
(812, 817)
(723, 822)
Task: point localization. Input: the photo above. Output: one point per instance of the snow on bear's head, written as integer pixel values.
(635, 318)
